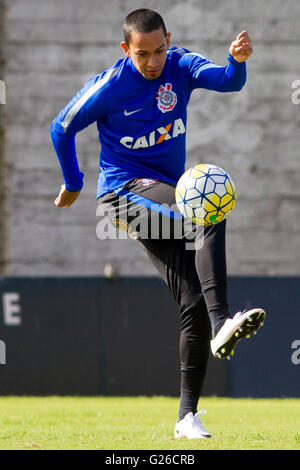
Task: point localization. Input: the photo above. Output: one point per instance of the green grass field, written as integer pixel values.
(122, 423)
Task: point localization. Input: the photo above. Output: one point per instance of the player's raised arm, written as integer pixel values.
(232, 77)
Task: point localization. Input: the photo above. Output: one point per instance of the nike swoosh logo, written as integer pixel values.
(126, 113)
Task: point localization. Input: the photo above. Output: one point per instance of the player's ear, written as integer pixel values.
(168, 39)
(125, 48)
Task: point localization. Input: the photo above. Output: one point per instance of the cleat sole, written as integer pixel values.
(250, 326)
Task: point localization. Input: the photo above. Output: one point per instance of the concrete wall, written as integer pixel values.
(4, 179)
(54, 46)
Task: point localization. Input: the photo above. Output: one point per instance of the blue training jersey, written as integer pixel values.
(141, 123)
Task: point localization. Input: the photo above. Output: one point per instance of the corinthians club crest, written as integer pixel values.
(166, 98)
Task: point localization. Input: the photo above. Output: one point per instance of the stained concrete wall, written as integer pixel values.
(54, 46)
(4, 178)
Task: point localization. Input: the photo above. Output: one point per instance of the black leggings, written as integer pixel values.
(193, 266)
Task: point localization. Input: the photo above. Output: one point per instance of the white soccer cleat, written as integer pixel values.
(242, 325)
(191, 427)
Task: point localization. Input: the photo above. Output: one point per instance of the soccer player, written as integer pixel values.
(140, 106)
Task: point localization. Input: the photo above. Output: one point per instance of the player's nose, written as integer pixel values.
(153, 61)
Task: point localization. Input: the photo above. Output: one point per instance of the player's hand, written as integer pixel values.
(241, 49)
(65, 197)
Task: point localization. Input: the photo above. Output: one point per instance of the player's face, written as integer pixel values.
(148, 52)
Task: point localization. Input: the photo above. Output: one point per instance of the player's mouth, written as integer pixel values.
(153, 71)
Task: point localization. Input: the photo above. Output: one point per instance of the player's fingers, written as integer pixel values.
(242, 42)
(57, 202)
(243, 49)
(65, 198)
(242, 35)
(243, 39)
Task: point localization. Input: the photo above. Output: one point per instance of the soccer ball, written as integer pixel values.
(205, 194)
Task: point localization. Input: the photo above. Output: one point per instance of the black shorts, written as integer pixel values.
(146, 209)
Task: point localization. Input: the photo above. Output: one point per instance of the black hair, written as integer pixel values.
(142, 21)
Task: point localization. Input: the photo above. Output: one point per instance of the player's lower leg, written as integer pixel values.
(194, 351)
(210, 262)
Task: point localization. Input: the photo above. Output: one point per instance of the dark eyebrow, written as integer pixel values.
(160, 47)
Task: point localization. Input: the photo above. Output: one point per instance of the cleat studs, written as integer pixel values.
(248, 336)
(223, 350)
(228, 358)
(236, 334)
(254, 332)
